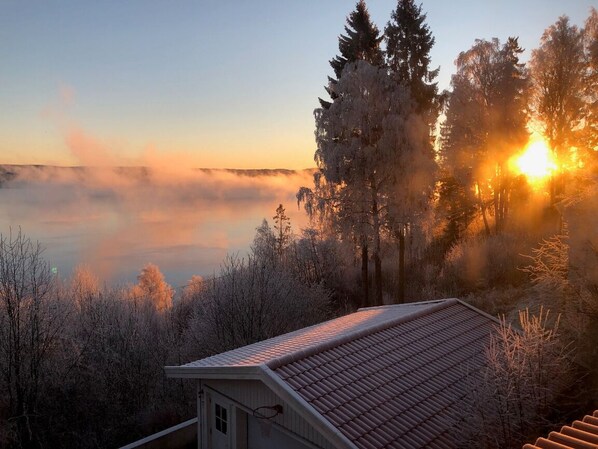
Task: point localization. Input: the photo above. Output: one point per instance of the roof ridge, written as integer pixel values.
(417, 303)
(299, 331)
(349, 336)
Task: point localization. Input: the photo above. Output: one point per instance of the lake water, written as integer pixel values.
(117, 220)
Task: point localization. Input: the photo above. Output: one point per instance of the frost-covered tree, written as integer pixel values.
(251, 301)
(557, 70)
(590, 131)
(152, 286)
(486, 124)
(115, 361)
(84, 284)
(195, 285)
(374, 155)
(455, 208)
(514, 393)
(264, 244)
(361, 42)
(316, 259)
(564, 272)
(408, 44)
(32, 319)
(283, 230)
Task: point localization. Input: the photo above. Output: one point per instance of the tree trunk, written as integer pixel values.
(496, 194)
(503, 199)
(401, 295)
(500, 200)
(376, 252)
(378, 277)
(506, 200)
(364, 271)
(483, 210)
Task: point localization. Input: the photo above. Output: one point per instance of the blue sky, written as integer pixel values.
(204, 83)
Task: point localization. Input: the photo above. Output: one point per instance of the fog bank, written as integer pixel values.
(117, 219)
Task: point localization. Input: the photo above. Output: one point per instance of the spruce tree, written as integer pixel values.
(362, 42)
(408, 44)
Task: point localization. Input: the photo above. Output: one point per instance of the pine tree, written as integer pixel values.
(408, 44)
(282, 226)
(362, 42)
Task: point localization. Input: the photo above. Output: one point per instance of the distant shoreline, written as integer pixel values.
(142, 167)
(9, 172)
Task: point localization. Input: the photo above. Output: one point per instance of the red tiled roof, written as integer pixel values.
(579, 435)
(398, 387)
(383, 377)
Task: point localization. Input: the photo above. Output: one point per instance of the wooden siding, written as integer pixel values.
(253, 394)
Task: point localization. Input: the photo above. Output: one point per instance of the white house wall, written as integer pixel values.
(253, 394)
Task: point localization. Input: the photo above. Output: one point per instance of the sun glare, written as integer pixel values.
(536, 161)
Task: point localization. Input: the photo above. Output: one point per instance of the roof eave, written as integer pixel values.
(481, 312)
(225, 372)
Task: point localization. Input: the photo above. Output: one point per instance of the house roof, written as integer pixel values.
(580, 434)
(381, 377)
(313, 338)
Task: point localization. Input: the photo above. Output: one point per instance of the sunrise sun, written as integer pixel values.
(535, 162)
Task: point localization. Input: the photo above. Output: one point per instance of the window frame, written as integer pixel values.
(221, 418)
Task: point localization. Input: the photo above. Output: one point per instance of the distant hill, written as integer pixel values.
(9, 172)
(6, 173)
(256, 171)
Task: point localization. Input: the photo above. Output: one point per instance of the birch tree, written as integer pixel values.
(590, 39)
(153, 287)
(557, 70)
(486, 124)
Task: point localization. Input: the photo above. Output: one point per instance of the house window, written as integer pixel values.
(221, 419)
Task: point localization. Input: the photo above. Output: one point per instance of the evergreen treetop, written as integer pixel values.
(362, 42)
(408, 44)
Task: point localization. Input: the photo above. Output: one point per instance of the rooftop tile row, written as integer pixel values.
(579, 435)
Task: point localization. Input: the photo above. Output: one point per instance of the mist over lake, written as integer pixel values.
(116, 220)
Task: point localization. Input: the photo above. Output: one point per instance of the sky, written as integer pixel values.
(204, 83)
